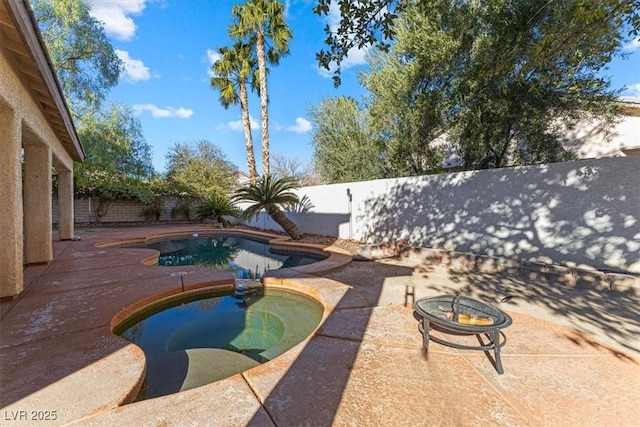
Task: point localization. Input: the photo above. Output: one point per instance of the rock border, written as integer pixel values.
(573, 277)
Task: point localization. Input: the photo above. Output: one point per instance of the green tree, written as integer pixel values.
(342, 149)
(271, 194)
(362, 24)
(85, 61)
(373, 22)
(233, 71)
(261, 23)
(200, 169)
(117, 159)
(501, 78)
(113, 142)
(216, 207)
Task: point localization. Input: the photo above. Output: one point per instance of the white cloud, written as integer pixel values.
(236, 125)
(302, 126)
(632, 46)
(134, 69)
(632, 89)
(116, 16)
(355, 56)
(212, 56)
(157, 112)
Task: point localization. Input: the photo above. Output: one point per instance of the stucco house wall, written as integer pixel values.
(589, 141)
(36, 135)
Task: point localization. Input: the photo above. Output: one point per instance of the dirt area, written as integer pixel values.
(349, 245)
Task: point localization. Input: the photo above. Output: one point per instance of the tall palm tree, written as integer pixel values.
(235, 68)
(261, 23)
(270, 193)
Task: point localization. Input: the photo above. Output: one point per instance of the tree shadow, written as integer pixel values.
(584, 213)
(311, 390)
(316, 380)
(613, 316)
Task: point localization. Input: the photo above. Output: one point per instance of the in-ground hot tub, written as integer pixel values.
(189, 342)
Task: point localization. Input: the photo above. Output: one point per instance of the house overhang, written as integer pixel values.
(22, 38)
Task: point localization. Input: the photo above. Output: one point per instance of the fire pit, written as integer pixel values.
(460, 315)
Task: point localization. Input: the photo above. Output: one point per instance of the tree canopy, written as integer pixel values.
(492, 83)
(117, 155)
(343, 150)
(113, 142)
(501, 78)
(373, 22)
(85, 61)
(199, 169)
(262, 24)
(237, 68)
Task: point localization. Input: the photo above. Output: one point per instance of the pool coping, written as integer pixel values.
(184, 280)
(92, 358)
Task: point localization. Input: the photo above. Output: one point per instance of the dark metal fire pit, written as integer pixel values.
(456, 314)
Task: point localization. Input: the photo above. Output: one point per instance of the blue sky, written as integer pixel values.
(168, 47)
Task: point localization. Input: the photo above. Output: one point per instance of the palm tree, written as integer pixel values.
(270, 193)
(235, 68)
(217, 206)
(262, 23)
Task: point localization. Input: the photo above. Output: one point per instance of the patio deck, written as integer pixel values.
(572, 355)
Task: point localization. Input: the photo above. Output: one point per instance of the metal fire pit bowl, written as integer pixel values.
(460, 315)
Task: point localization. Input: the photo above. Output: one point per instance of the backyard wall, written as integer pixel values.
(582, 213)
(119, 211)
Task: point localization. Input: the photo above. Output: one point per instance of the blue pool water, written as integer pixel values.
(195, 341)
(249, 259)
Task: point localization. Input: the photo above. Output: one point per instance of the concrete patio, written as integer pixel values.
(572, 355)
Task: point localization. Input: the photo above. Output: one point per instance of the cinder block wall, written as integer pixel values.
(120, 211)
(582, 213)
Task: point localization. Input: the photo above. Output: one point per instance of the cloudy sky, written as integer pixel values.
(168, 47)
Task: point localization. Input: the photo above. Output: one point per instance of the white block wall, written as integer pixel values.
(582, 213)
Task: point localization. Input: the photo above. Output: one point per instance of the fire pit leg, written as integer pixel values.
(425, 336)
(496, 346)
(424, 327)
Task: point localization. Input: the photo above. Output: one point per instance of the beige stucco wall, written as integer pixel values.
(589, 141)
(24, 126)
(11, 205)
(20, 100)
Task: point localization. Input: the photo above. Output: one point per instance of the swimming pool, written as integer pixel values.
(249, 259)
(204, 338)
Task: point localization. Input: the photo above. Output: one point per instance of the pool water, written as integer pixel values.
(192, 342)
(249, 259)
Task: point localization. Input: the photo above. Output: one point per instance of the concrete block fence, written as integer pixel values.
(582, 214)
(120, 211)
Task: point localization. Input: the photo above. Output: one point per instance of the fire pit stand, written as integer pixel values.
(460, 315)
